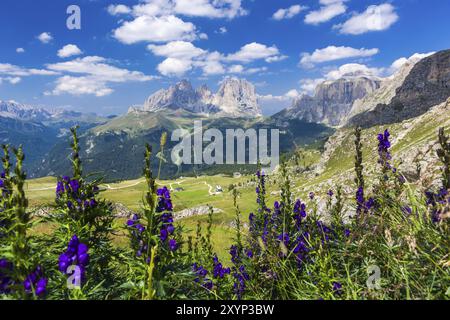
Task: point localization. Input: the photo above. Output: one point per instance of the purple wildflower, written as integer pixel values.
(173, 245)
(77, 255)
(36, 281)
(337, 288)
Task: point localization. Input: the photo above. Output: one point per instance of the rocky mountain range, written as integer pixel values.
(332, 100)
(27, 113)
(235, 98)
(413, 91)
(114, 146)
(418, 85)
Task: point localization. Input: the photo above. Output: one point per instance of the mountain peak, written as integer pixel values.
(235, 97)
(421, 83)
(332, 100)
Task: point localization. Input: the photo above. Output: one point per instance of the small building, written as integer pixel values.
(219, 189)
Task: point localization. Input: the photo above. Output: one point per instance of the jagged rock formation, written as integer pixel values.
(408, 95)
(181, 96)
(235, 97)
(385, 93)
(332, 100)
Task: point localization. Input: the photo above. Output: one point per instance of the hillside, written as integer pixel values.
(115, 149)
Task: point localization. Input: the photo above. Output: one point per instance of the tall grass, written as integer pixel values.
(393, 244)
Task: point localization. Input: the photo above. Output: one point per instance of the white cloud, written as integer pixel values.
(212, 64)
(68, 51)
(93, 76)
(20, 50)
(45, 37)
(354, 70)
(174, 67)
(292, 94)
(236, 68)
(276, 58)
(194, 8)
(397, 64)
(240, 69)
(222, 30)
(308, 86)
(177, 49)
(80, 86)
(183, 56)
(375, 18)
(288, 13)
(14, 80)
(14, 74)
(115, 10)
(11, 80)
(333, 53)
(158, 21)
(254, 51)
(271, 104)
(328, 10)
(155, 29)
(16, 71)
(211, 9)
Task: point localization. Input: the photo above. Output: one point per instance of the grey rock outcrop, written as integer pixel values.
(426, 85)
(332, 100)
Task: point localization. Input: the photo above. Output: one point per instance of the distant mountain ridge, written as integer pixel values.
(23, 112)
(332, 100)
(235, 98)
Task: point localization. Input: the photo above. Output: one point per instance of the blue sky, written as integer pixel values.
(128, 49)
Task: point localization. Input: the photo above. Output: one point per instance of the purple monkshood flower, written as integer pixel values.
(76, 254)
(163, 235)
(234, 254)
(299, 212)
(311, 195)
(219, 271)
(5, 281)
(201, 278)
(330, 193)
(337, 288)
(164, 201)
(2, 184)
(173, 245)
(436, 201)
(241, 276)
(284, 237)
(407, 210)
(383, 149)
(59, 188)
(36, 281)
(74, 185)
